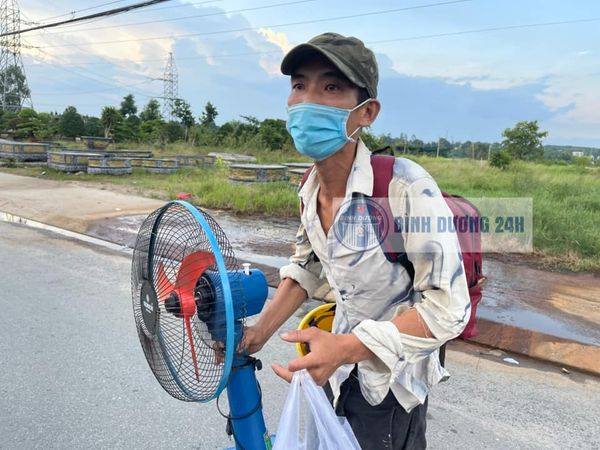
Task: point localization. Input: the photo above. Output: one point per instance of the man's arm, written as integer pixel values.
(299, 280)
(287, 299)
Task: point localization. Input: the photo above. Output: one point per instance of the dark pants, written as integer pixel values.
(385, 426)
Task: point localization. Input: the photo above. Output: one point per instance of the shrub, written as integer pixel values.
(500, 160)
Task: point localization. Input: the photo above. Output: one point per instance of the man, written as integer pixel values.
(381, 358)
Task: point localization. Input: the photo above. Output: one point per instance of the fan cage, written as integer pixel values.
(166, 237)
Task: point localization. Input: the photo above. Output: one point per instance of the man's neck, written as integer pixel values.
(333, 172)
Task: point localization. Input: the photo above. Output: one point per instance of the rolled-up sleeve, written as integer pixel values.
(304, 266)
(440, 286)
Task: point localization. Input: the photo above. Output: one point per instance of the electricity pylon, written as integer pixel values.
(170, 88)
(14, 92)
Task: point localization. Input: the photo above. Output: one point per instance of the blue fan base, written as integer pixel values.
(245, 406)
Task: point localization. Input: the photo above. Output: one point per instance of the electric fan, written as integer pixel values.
(190, 299)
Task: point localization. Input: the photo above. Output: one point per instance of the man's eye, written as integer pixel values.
(297, 86)
(332, 87)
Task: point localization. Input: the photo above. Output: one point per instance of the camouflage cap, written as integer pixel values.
(348, 54)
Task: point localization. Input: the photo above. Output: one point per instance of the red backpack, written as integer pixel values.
(470, 241)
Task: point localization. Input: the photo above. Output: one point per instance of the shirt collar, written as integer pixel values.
(360, 178)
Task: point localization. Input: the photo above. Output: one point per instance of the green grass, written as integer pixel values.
(211, 188)
(566, 203)
(566, 199)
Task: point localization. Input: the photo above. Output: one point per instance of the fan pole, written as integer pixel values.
(245, 406)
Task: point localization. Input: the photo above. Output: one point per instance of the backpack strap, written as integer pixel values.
(383, 171)
(302, 181)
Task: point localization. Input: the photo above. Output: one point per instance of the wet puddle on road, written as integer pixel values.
(562, 305)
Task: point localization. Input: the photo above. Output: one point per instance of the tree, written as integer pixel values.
(209, 115)
(273, 134)
(524, 141)
(183, 112)
(111, 119)
(71, 123)
(27, 123)
(173, 131)
(13, 82)
(153, 131)
(93, 126)
(445, 147)
(151, 111)
(500, 160)
(128, 106)
(129, 130)
(47, 125)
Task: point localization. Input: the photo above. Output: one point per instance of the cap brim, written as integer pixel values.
(298, 54)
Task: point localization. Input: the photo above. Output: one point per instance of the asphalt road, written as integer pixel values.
(74, 376)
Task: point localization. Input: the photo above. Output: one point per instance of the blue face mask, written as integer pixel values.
(319, 130)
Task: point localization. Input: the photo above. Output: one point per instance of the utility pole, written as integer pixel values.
(170, 88)
(13, 82)
(437, 154)
(405, 144)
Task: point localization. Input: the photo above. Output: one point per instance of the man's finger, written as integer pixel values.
(304, 362)
(282, 372)
(298, 335)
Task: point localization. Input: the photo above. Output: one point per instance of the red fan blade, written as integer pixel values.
(164, 286)
(192, 266)
(188, 329)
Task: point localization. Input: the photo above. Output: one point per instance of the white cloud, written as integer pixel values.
(266, 42)
(279, 38)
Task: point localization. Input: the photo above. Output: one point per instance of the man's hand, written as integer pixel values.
(253, 339)
(327, 352)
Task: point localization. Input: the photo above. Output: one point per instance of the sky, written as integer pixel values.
(440, 74)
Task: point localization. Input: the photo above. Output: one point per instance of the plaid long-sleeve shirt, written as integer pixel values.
(369, 290)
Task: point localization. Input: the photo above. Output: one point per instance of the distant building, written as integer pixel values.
(578, 154)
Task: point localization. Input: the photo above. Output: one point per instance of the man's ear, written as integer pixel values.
(369, 112)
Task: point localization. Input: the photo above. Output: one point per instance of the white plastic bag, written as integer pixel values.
(323, 429)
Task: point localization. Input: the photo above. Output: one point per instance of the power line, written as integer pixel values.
(176, 6)
(484, 30)
(220, 13)
(72, 13)
(37, 22)
(382, 41)
(103, 81)
(97, 91)
(110, 12)
(179, 58)
(303, 22)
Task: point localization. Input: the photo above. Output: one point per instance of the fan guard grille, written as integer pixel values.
(167, 236)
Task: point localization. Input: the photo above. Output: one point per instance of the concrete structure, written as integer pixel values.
(164, 165)
(298, 165)
(100, 165)
(23, 151)
(129, 154)
(96, 142)
(295, 175)
(232, 158)
(191, 160)
(70, 161)
(257, 172)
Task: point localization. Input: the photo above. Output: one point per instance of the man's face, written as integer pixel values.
(319, 81)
